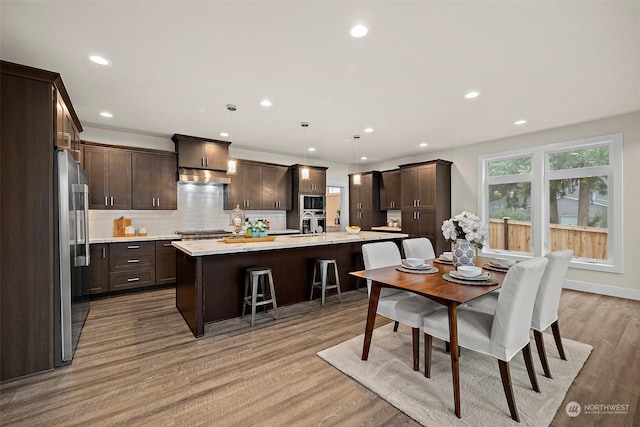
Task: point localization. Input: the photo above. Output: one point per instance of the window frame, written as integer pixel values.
(540, 178)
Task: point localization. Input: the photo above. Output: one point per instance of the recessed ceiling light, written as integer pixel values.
(519, 122)
(359, 31)
(266, 103)
(225, 134)
(363, 158)
(368, 130)
(106, 114)
(472, 94)
(99, 60)
(311, 149)
(424, 144)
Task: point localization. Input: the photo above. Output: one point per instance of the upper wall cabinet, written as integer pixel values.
(122, 178)
(259, 186)
(109, 174)
(201, 153)
(390, 190)
(154, 183)
(316, 184)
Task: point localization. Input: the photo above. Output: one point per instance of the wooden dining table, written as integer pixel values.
(432, 286)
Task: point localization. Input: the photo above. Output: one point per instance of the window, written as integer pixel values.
(552, 197)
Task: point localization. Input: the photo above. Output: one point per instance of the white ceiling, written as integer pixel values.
(175, 65)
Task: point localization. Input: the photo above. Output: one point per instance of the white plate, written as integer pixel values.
(405, 264)
(482, 277)
(497, 265)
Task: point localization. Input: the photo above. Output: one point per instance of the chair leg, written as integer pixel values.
(555, 328)
(416, 348)
(542, 353)
(528, 361)
(323, 278)
(335, 270)
(428, 340)
(505, 374)
(395, 326)
(273, 295)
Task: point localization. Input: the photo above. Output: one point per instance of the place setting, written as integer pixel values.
(500, 265)
(445, 258)
(470, 275)
(416, 266)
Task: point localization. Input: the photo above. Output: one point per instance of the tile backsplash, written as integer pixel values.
(200, 206)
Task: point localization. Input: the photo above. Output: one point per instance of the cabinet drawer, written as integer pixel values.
(132, 247)
(131, 280)
(164, 246)
(133, 261)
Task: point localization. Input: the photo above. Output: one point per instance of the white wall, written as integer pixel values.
(464, 193)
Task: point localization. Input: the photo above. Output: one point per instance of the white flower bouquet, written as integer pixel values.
(468, 226)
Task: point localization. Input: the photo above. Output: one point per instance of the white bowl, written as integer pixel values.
(415, 262)
(447, 256)
(350, 230)
(469, 270)
(504, 262)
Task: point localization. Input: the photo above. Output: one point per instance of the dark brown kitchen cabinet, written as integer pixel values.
(28, 134)
(426, 200)
(109, 175)
(132, 265)
(245, 189)
(390, 190)
(67, 134)
(276, 188)
(99, 268)
(154, 183)
(201, 153)
(165, 262)
(317, 182)
(364, 201)
(259, 186)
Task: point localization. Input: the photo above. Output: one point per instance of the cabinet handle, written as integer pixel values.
(104, 253)
(153, 202)
(106, 202)
(418, 202)
(418, 213)
(133, 261)
(247, 203)
(133, 279)
(111, 200)
(202, 161)
(166, 245)
(133, 247)
(158, 202)
(206, 161)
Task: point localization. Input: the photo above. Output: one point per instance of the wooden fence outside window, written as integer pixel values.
(586, 242)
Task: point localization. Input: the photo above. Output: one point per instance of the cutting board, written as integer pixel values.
(119, 225)
(248, 239)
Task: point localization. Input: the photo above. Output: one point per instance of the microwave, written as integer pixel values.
(311, 203)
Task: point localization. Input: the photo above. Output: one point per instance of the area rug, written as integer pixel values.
(429, 401)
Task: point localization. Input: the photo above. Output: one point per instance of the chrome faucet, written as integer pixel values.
(313, 224)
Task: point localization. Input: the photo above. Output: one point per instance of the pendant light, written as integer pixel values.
(232, 164)
(304, 172)
(357, 178)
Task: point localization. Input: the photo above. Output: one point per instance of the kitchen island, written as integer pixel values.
(210, 273)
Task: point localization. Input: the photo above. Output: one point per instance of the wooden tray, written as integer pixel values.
(248, 239)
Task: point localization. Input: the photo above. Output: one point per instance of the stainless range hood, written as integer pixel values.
(203, 176)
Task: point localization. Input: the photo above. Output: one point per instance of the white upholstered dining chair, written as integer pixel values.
(502, 334)
(419, 247)
(545, 310)
(400, 306)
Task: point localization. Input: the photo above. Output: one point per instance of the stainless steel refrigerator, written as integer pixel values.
(72, 255)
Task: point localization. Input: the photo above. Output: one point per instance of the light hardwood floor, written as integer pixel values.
(138, 364)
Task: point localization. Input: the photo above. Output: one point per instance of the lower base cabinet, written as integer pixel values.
(131, 265)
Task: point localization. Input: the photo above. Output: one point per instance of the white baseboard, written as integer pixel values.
(595, 288)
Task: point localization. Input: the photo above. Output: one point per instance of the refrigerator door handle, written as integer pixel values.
(82, 227)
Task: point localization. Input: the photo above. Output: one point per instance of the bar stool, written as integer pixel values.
(324, 283)
(257, 277)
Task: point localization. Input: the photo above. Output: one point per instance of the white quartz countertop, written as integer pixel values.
(387, 228)
(134, 238)
(218, 247)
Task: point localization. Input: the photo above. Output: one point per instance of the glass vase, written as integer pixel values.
(464, 253)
